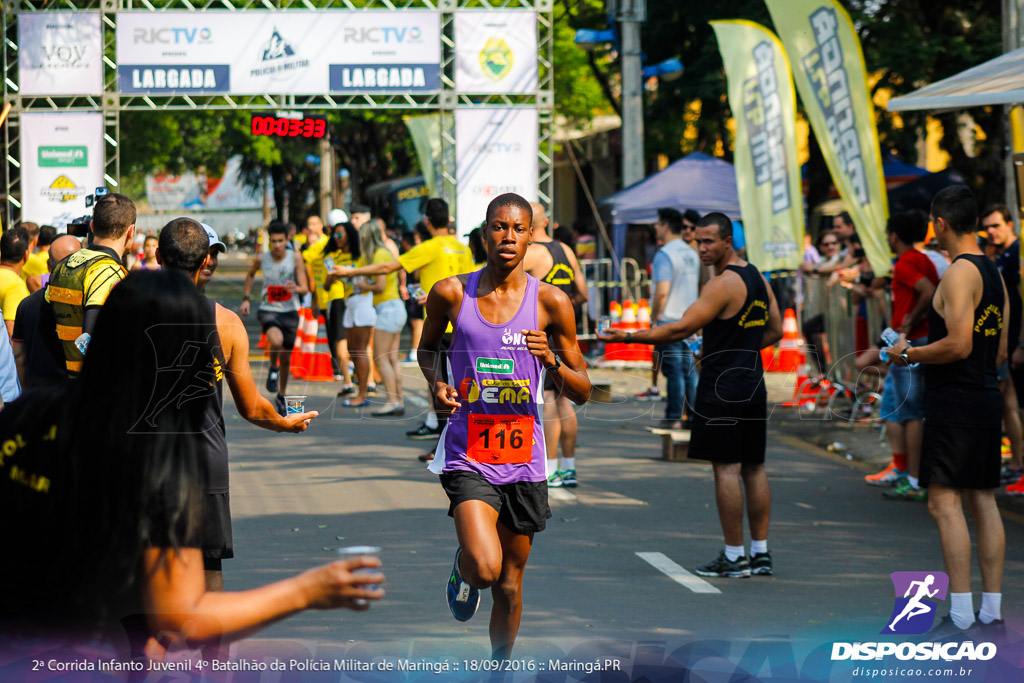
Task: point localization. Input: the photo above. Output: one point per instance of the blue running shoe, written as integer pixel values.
(463, 599)
(569, 479)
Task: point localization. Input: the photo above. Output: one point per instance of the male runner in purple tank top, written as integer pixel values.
(491, 455)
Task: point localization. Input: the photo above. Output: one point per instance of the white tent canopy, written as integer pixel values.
(997, 81)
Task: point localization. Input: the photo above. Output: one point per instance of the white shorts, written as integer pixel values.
(359, 311)
(391, 316)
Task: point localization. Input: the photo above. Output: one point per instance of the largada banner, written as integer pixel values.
(496, 52)
(61, 164)
(60, 53)
(767, 173)
(495, 153)
(828, 68)
(249, 53)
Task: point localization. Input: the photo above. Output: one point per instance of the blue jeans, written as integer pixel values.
(678, 367)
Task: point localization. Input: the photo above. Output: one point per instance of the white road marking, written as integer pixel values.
(663, 564)
(562, 494)
(416, 400)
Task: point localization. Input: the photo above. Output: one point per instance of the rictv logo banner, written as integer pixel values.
(917, 595)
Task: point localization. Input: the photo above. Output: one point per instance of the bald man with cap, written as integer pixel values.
(38, 354)
(556, 264)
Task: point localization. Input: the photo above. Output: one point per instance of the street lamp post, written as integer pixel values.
(629, 17)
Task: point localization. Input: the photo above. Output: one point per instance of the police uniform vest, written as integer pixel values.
(66, 292)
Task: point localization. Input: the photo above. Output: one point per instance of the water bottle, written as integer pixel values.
(890, 337)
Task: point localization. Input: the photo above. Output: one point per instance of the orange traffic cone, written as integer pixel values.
(790, 356)
(296, 367)
(319, 369)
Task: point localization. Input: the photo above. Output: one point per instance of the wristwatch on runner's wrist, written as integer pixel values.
(558, 363)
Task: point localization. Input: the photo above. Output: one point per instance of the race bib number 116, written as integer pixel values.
(500, 439)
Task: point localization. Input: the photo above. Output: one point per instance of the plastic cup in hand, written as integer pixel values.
(354, 551)
(294, 405)
(604, 323)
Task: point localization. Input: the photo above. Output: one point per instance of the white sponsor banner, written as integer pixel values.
(198, 192)
(495, 153)
(496, 52)
(61, 163)
(60, 53)
(278, 52)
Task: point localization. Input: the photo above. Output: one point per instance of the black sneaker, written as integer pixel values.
(948, 632)
(272, 380)
(280, 406)
(761, 563)
(425, 457)
(721, 566)
(994, 631)
(424, 432)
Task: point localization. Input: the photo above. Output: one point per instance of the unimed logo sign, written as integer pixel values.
(63, 156)
(495, 366)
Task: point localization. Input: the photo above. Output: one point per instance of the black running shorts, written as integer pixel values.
(729, 432)
(335, 322)
(521, 506)
(217, 541)
(961, 457)
(288, 323)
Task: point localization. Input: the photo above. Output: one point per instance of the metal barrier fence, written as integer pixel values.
(603, 288)
(841, 308)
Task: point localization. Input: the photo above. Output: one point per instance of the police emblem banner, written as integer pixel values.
(767, 173)
(829, 72)
(61, 164)
(496, 52)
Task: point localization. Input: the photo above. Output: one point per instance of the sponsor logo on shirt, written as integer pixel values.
(513, 341)
(496, 391)
(495, 366)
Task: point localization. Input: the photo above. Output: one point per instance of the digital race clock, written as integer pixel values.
(290, 125)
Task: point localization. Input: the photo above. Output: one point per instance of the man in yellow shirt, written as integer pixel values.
(80, 284)
(13, 254)
(38, 261)
(443, 255)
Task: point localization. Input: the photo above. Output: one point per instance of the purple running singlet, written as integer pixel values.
(497, 433)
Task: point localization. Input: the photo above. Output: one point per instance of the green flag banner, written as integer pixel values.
(426, 138)
(767, 172)
(829, 72)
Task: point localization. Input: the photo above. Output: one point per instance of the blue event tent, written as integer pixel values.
(697, 182)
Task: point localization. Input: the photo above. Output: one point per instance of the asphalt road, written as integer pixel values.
(352, 479)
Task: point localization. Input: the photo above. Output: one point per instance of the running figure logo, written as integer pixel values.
(917, 594)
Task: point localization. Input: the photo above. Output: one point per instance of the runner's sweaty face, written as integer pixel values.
(507, 237)
(711, 245)
(278, 244)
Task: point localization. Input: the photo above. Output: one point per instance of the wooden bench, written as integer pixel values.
(675, 444)
(600, 392)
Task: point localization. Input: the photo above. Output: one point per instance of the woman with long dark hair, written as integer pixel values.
(359, 314)
(107, 490)
(340, 249)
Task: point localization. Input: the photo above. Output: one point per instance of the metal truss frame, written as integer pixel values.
(111, 103)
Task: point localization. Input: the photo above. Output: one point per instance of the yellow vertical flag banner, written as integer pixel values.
(829, 72)
(767, 172)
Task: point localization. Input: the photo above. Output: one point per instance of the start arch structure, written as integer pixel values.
(448, 71)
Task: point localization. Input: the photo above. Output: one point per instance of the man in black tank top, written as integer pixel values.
(960, 456)
(185, 245)
(554, 263)
(739, 316)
